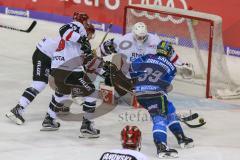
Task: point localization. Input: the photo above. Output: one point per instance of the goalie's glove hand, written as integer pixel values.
(186, 70)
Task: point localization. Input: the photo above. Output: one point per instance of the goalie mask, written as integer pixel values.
(165, 49)
(80, 17)
(131, 137)
(140, 32)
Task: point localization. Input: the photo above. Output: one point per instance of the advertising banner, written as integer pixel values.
(104, 12)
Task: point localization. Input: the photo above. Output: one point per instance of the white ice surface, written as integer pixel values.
(218, 140)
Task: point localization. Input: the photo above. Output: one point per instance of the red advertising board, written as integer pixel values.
(111, 11)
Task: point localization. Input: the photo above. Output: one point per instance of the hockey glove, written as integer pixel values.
(186, 70)
(86, 46)
(108, 47)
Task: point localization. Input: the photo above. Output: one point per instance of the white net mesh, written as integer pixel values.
(197, 38)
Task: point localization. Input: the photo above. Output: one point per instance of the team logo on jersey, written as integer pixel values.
(59, 58)
(39, 65)
(135, 56)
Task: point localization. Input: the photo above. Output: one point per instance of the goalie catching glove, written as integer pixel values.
(186, 70)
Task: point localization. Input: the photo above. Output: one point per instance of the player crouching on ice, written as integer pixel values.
(131, 144)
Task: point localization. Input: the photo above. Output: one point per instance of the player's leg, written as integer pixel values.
(56, 105)
(41, 67)
(176, 129)
(157, 108)
(87, 129)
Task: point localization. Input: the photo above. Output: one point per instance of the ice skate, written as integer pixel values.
(15, 115)
(164, 152)
(49, 124)
(184, 141)
(87, 130)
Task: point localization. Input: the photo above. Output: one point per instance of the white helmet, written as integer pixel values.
(140, 32)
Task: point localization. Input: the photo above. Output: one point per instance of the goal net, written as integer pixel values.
(197, 38)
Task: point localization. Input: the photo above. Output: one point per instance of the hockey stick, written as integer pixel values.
(108, 30)
(188, 118)
(30, 28)
(194, 125)
(191, 117)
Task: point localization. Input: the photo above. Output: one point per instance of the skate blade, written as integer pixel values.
(87, 135)
(13, 118)
(166, 156)
(49, 129)
(189, 145)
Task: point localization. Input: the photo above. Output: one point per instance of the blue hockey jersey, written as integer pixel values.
(154, 73)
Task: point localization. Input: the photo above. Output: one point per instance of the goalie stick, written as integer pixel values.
(30, 28)
(108, 30)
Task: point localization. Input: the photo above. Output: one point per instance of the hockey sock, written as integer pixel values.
(51, 113)
(89, 107)
(176, 128)
(56, 104)
(30, 93)
(159, 129)
(173, 124)
(28, 96)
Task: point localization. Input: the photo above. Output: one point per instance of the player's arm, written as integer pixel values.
(107, 48)
(185, 69)
(73, 32)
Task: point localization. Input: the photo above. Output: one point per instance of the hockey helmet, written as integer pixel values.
(80, 17)
(140, 32)
(90, 30)
(131, 137)
(165, 49)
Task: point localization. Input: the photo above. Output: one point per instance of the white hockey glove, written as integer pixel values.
(186, 70)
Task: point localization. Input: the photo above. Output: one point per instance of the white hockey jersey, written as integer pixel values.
(69, 55)
(70, 58)
(48, 45)
(130, 49)
(128, 46)
(123, 154)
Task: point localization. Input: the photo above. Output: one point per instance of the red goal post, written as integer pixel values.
(196, 37)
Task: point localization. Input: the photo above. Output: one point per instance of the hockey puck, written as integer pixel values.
(201, 120)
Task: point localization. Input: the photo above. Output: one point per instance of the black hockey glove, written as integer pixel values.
(86, 46)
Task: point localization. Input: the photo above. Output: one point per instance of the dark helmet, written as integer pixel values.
(80, 17)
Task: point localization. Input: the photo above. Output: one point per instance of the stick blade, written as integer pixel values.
(31, 26)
